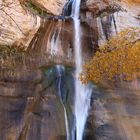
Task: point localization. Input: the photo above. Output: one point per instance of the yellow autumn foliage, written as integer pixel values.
(118, 58)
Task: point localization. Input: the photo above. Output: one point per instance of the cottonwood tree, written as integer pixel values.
(118, 58)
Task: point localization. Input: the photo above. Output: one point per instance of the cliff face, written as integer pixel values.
(96, 5)
(125, 13)
(30, 106)
(18, 25)
(131, 16)
(52, 6)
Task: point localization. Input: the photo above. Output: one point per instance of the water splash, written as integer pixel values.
(82, 92)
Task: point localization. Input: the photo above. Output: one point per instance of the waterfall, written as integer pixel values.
(55, 41)
(59, 69)
(82, 92)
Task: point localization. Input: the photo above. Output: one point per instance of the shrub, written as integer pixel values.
(118, 58)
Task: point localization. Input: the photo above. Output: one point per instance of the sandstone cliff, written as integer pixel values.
(18, 24)
(54, 7)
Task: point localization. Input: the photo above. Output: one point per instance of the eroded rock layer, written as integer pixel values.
(16, 24)
(54, 7)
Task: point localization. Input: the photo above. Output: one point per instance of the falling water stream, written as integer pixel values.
(82, 93)
(59, 71)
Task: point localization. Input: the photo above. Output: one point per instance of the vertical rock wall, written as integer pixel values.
(18, 25)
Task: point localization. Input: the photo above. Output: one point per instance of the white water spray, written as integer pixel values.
(82, 92)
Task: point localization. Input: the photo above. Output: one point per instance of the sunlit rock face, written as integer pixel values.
(54, 7)
(16, 25)
(98, 16)
(98, 24)
(130, 17)
(107, 18)
(96, 6)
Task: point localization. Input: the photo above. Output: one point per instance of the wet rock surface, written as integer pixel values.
(30, 106)
(110, 114)
(18, 24)
(54, 7)
(23, 25)
(32, 109)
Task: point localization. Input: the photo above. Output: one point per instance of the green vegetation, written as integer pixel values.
(9, 55)
(6, 51)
